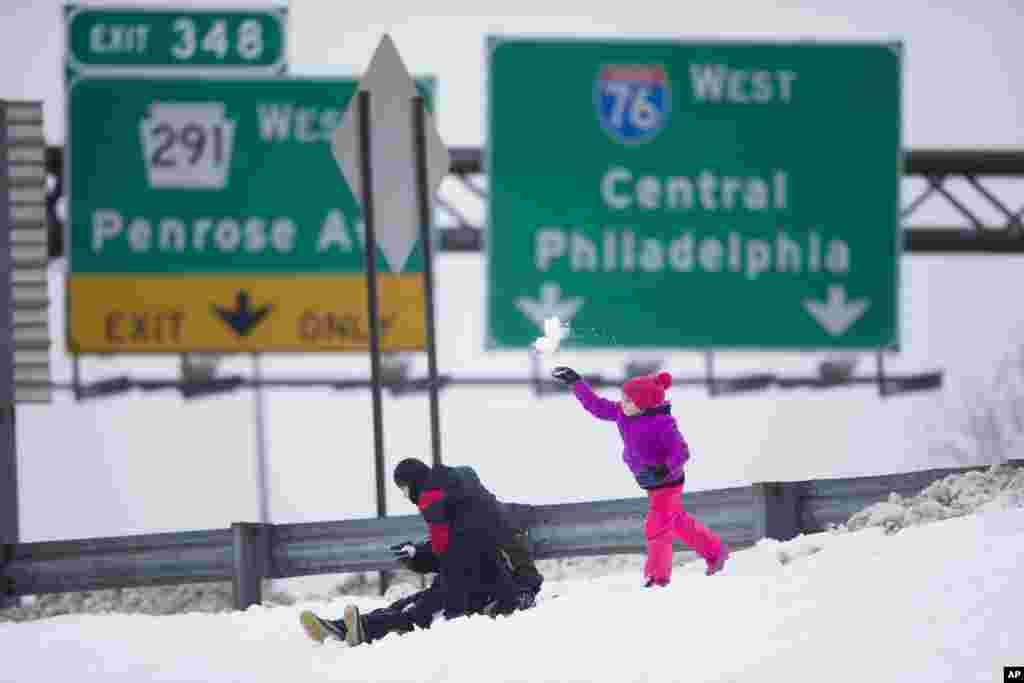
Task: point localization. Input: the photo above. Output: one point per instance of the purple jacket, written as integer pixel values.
(649, 439)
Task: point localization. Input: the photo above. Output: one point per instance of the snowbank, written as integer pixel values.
(998, 488)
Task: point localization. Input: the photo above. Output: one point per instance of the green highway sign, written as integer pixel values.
(694, 194)
(211, 215)
(185, 41)
(189, 154)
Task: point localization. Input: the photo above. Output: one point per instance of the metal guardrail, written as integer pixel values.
(247, 553)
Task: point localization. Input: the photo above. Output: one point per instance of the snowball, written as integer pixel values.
(554, 333)
(546, 345)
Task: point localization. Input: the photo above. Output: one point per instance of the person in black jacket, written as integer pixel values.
(468, 528)
(482, 560)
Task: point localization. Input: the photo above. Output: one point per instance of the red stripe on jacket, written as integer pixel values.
(432, 508)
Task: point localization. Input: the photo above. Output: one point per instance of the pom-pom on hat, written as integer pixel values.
(647, 391)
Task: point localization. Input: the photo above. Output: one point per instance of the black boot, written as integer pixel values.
(514, 603)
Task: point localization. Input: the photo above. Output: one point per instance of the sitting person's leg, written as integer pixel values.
(430, 604)
(399, 617)
(510, 591)
(380, 622)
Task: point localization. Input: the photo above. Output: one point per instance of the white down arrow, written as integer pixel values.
(837, 314)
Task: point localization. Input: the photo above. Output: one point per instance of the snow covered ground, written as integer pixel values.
(929, 599)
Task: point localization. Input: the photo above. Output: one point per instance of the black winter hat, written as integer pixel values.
(412, 473)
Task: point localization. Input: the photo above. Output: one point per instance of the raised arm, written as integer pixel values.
(601, 408)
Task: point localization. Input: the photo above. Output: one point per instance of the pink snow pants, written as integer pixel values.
(666, 520)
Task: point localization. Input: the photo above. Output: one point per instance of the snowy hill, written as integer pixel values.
(934, 598)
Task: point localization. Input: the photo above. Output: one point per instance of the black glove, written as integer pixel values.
(403, 553)
(567, 375)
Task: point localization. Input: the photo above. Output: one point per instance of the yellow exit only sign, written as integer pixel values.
(239, 313)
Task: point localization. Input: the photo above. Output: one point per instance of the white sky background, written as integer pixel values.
(931, 603)
(962, 66)
(143, 463)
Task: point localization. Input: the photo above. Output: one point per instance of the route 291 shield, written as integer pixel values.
(632, 101)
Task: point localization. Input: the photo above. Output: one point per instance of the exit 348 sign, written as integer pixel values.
(114, 40)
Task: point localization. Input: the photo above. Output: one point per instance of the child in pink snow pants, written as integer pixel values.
(655, 453)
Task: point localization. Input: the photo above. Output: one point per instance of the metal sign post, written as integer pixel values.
(393, 161)
(423, 193)
(8, 448)
(366, 170)
(24, 303)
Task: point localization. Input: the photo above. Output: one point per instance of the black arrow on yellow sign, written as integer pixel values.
(243, 317)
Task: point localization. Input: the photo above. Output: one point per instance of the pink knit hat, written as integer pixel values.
(647, 391)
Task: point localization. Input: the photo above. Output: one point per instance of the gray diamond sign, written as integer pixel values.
(394, 198)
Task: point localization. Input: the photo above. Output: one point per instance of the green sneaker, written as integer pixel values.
(318, 629)
(354, 627)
